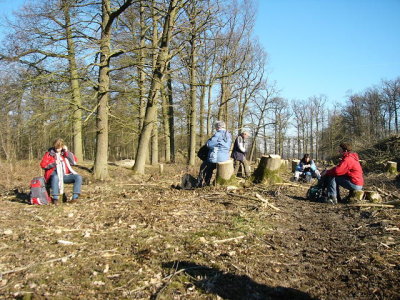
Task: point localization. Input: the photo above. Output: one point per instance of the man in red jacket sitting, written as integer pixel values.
(348, 174)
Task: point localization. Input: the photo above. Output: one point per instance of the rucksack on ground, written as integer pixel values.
(38, 194)
(188, 182)
(317, 193)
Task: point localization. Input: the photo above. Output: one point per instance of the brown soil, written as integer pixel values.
(139, 238)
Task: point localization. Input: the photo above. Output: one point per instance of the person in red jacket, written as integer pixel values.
(348, 174)
(57, 162)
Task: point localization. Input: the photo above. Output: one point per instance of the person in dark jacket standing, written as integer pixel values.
(348, 174)
(239, 154)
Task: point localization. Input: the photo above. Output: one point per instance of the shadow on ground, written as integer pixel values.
(228, 285)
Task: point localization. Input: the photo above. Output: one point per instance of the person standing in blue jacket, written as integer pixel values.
(307, 167)
(218, 151)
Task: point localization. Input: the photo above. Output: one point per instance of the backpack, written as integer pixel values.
(203, 152)
(188, 182)
(38, 194)
(317, 193)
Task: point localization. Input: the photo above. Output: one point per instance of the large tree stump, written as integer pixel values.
(268, 170)
(295, 162)
(372, 196)
(391, 167)
(225, 174)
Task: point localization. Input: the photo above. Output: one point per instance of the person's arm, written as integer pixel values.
(313, 166)
(47, 162)
(240, 144)
(340, 169)
(213, 141)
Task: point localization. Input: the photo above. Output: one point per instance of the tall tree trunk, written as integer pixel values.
(75, 87)
(155, 87)
(154, 135)
(100, 164)
(165, 119)
(193, 114)
(171, 113)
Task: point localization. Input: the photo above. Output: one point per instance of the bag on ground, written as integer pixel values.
(203, 152)
(188, 182)
(38, 194)
(317, 193)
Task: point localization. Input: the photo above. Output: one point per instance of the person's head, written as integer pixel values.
(344, 147)
(244, 134)
(58, 144)
(306, 158)
(219, 125)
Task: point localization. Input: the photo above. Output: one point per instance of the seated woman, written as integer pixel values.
(306, 168)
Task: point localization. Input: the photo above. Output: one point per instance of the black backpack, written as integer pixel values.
(203, 152)
(188, 182)
(317, 193)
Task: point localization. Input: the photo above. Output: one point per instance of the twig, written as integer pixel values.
(371, 205)
(228, 240)
(35, 264)
(266, 202)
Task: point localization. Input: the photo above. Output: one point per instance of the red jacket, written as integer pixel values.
(48, 162)
(349, 166)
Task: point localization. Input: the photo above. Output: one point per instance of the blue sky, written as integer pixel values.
(329, 46)
(325, 47)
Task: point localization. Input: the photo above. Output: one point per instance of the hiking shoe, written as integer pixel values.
(331, 200)
(54, 201)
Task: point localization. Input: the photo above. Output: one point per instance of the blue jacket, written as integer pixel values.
(219, 145)
(300, 167)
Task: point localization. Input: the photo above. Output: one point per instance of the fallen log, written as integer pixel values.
(372, 205)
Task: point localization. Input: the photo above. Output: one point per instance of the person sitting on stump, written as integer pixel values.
(218, 145)
(239, 154)
(307, 168)
(348, 174)
(57, 162)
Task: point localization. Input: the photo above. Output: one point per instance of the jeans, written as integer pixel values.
(333, 183)
(314, 174)
(76, 179)
(205, 174)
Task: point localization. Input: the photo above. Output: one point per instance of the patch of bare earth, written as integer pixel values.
(138, 238)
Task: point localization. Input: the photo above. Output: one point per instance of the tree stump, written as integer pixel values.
(391, 167)
(268, 169)
(225, 174)
(356, 196)
(295, 162)
(372, 196)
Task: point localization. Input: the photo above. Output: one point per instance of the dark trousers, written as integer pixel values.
(205, 174)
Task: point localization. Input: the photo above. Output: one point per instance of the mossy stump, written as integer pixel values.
(391, 167)
(268, 170)
(356, 196)
(372, 196)
(225, 174)
(295, 162)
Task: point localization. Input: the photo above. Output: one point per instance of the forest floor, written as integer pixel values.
(140, 238)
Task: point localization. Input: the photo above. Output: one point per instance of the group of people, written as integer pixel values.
(57, 163)
(348, 173)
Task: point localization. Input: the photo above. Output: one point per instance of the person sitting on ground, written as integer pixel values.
(307, 168)
(218, 145)
(348, 174)
(239, 154)
(57, 162)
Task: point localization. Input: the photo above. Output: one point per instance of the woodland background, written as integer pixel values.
(146, 79)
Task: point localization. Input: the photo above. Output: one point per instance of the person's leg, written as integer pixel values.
(236, 165)
(200, 178)
(344, 181)
(297, 175)
(54, 184)
(76, 179)
(246, 167)
(331, 188)
(209, 172)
